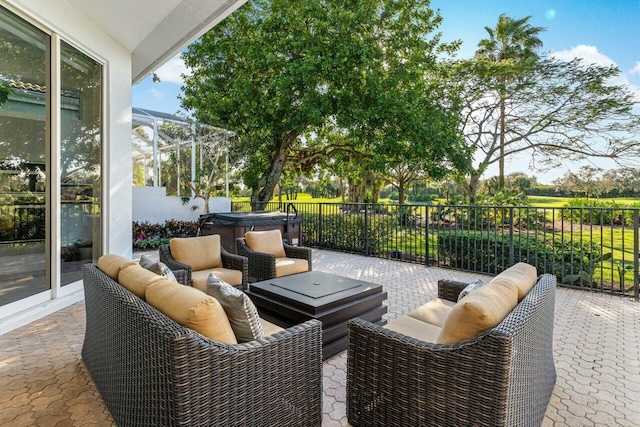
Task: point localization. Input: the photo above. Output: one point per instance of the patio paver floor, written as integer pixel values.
(43, 381)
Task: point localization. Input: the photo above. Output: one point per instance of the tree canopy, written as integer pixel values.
(279, 72)
(556, 111)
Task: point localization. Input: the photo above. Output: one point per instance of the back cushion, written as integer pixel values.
(136, 279)
(191, 308)
(479, 311)
(522, 275)
(200, 252)
(111, 264)
(265, 241)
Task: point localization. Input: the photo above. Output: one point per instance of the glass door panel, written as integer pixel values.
(80, 160)
(24, 107)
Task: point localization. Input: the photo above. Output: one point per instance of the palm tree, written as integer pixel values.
(514, 42)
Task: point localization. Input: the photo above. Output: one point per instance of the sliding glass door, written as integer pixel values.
(24, 142)
(47, 220)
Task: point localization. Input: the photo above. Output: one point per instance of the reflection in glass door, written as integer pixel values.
(80, 150)
(24, 116)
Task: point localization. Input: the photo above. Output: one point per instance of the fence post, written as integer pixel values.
(320, 225)
(426, 234)
(511, 249)
(366, 230)
(636, 258)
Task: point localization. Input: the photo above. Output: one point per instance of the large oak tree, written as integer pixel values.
(275, 71)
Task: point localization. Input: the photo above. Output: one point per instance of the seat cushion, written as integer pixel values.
(199, 278)
(480, 310)
(269, 328)
(524, 276)
(287, 266)
(157, 267)
(414, 328)
(136, 279)
(269, 242)
(111, 264)
(242, 314)
(434, 312)
(201, 253)
(191, 308)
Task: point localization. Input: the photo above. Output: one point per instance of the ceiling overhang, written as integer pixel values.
(156, 30)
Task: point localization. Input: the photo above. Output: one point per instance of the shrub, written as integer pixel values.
(489, 253)
(346, 231)
(149, 236)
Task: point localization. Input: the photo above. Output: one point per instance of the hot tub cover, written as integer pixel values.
(248, 219)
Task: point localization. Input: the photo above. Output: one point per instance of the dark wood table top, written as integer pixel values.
(314, 291)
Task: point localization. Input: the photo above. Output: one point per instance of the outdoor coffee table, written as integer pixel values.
(330, 298)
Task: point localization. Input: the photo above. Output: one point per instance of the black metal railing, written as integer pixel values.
(586, 248)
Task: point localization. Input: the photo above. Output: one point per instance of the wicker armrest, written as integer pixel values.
(280, 374)
(166, 258)
(236, 262)
(450, 289)
(181, 276)
(262, 266)
(438, 382)
(298, 252)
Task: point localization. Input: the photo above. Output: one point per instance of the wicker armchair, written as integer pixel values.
(229, 262)
(265, 266)
(502, 377)
(151, 371)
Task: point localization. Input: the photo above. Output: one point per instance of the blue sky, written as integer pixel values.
(603, 32)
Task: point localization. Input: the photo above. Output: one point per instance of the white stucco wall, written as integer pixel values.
(152, 204)
(59, 17)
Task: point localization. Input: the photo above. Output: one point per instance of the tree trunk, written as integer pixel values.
(501, 159)
(401, 190)
(261, 195)
(472, 188)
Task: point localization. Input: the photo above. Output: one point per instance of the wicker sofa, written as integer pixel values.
(502, 377)
(151, 371)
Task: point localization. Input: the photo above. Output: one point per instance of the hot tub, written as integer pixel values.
(231, 225)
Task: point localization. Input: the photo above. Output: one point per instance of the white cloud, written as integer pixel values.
(156, 94)
(171, 71)
(589, 54)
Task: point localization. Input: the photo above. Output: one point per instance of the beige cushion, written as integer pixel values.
(191, 308)
(269, 328)
(199, 278)
(414, 328)
(111, 264)
(269, 242)
(200, 252)
(286, 266)
(136, 279)
(479, 311)
(522, 275)
(434, 312)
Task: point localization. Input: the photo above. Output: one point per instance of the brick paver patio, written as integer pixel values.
(43, 381)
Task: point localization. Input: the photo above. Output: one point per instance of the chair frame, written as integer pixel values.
(229, 261)
(262, 266)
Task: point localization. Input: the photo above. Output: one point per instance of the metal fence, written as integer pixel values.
(588, 248)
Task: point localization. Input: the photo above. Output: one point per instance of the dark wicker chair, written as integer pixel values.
(503, 377)
(262, 266)
(151, 371)
(230, 261)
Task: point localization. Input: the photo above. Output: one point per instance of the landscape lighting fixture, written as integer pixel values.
(156, 79)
